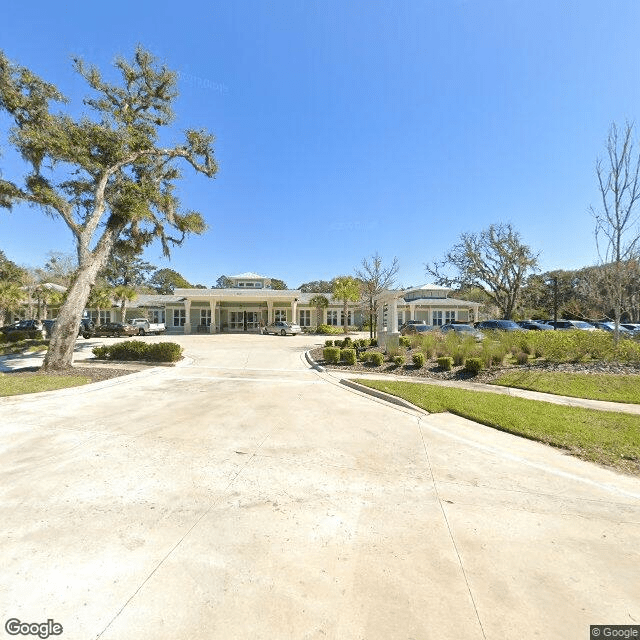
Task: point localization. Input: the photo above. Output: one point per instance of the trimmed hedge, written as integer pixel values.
(445, 363)
(348, 356)
(376, 358)
(328, 343)
(473, 366)
(418, 360)
(403, 341)
(331, 355)
(328, 330)
(138, 350)
(398, 360)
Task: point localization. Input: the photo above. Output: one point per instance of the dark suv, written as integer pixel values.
(499, 325)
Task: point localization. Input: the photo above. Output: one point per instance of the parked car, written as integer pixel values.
(632, 327)
(48, 325)
(567, 325)
(498, 325)
(86, 326)
(463, 330)
(534, 325)
(416, 329)
(409, 323)
(282, 328)
(32, 326)
(114, 329)
(611, 327)
(144, 326)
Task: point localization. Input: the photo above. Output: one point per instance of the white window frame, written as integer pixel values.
(205, 317)
(449, 316)
(179, 317)
(279, 315)
(304, 317)
(332, 317)
(437, 318)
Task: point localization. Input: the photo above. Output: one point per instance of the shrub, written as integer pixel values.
(522, 358)
(27, 334)
(337, 343)
(163, 351)
(347, 343)
(418, 360)
(348, 356)
(331, 355)
(473, 366)
(364, 356)
(138, 350)
(403, 341)
(398, 360)
(374, 342)
(328, 330)
(445, 363)
(376, 358)
(328, 343)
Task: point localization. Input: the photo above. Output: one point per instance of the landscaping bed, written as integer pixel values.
(33, 380)
(431, 369)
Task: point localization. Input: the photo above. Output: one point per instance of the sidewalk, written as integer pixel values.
(598, 405)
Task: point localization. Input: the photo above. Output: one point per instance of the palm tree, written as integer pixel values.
(346, 289)
(124, 294)
(99, 299)
(11, 296)
(46, 296)
(320, 302)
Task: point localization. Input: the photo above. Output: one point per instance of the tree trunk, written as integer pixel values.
(63, 340)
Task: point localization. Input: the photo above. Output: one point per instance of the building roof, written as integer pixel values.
(248, 276)
(153, 300)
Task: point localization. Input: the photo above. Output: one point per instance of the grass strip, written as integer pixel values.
(609, 438)
(615, 388)
(13, 385)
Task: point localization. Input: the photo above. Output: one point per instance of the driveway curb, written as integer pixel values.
(312, 362)
(381, 395)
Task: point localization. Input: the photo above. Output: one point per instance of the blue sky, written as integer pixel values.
(349, 128)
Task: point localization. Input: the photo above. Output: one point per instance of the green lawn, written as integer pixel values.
(14, 384)
(606, 437)
(624, 388)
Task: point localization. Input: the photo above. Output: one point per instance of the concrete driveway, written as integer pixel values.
(249, 496)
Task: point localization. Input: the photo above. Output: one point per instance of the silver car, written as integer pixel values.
(463, 330)
(282, 328)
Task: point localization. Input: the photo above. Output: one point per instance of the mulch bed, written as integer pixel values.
(433, 371)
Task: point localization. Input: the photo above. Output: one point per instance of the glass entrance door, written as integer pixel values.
(252, 323)
(244, 320)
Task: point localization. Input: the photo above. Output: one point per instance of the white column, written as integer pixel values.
(212, 326)
(294, 310)
(380, 327)
(393, 320)
(187, 311)
(412, 312)
(269, 312)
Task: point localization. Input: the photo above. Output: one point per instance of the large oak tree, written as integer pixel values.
(105, 174)
(495, 261)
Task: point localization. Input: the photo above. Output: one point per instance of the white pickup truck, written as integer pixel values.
(144, 326)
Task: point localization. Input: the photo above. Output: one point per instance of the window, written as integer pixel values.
(349, 318)
(205, 317)
(179, 317)
(157, 315)
(437, 318)
(332, 318)
(449, 316)
(305, 317)
(280, 315)
(105, 316)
